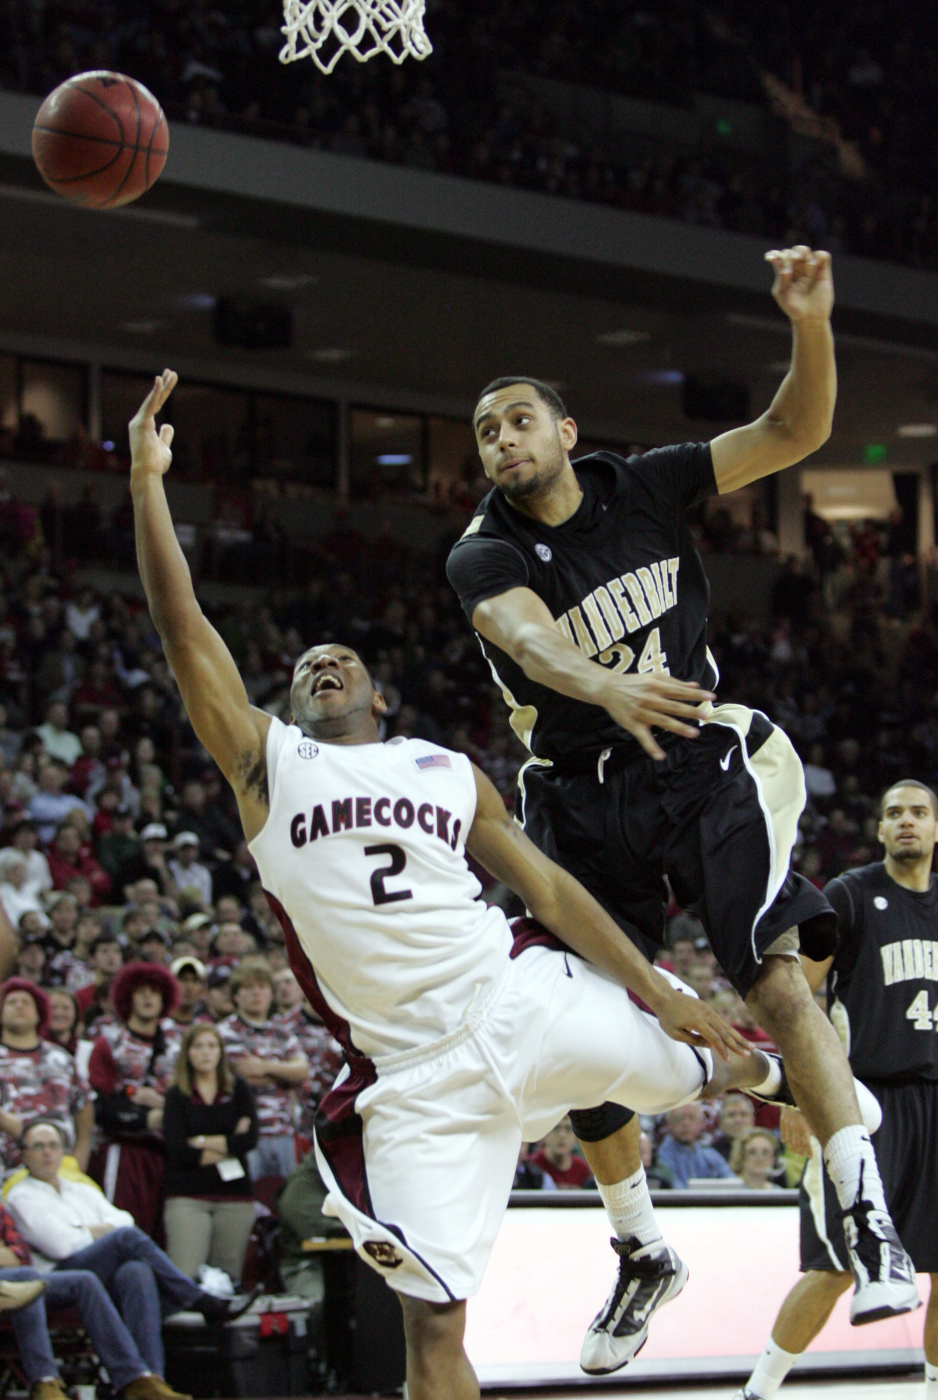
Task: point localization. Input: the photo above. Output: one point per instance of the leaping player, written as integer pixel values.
(461, 1043)
(590, 601)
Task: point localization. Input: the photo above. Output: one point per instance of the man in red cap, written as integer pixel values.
(130, 1070)
(36, 1076)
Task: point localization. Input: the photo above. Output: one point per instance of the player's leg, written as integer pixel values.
(801, 1317)
(437, 1365)
(568, 822)
(736, 854)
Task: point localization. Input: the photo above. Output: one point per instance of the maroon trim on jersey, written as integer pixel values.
(305, 974)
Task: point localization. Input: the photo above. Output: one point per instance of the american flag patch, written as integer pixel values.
(433, 760)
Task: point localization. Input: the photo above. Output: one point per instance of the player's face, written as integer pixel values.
(522, 445)
(332, 692)
(908, 828)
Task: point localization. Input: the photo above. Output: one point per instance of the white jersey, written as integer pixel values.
(364, 852)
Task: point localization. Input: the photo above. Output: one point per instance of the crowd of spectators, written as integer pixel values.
(870, 75)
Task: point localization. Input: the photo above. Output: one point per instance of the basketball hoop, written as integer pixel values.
(324, 30)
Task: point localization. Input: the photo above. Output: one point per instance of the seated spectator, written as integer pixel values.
(25, 1294)
(69, 857)
(106, 959)
(232, 941)
(14, 896)
(68, 1223)
(753, 1158)
(25, 838)
(52, 803)
(57, 739)
(269, 1057)
(324, 1054)
(209, 1127)
(88, 770)
(118, 847)
(218, 997)
(188, 874)
(681, 1152)
(737, 1116)
(299, 1211)
(130, 1070)
(36, 1076)
(153, 946)
(64, 1020)
(528, 1175)
(148, 862)
(189, 972)
(288, 995)
(658, 1176)
(556, 1157)
(60, 937)
(31, 957)
(234, 877)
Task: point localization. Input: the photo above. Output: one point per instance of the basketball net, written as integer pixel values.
(324, 30)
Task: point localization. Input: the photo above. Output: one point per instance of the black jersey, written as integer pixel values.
(882, 981)
(621, 577)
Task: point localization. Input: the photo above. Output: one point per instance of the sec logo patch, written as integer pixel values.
(307, 749)
(543, 552)
(880, 902)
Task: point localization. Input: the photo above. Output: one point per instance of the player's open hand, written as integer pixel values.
(804, 287)
(795, 1131)
(695, 1022)
(639, 702)
(151, 451)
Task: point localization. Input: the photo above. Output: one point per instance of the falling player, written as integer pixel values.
(590, 601)
(460, 1044)
(881, 996)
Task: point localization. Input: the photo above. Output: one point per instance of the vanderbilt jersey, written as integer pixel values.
(364, 853)
(882, 983)
(622, 579)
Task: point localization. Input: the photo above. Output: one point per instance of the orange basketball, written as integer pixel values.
(100, 139)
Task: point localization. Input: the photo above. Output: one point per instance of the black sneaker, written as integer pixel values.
(649, 1276)
(217, 1310)
(882, 1271)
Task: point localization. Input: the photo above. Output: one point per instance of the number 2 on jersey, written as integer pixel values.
(379, 891)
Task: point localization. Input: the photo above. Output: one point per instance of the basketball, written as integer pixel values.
(100, 139)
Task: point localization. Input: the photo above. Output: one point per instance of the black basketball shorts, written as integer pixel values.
(718, 815)
(907, 1151)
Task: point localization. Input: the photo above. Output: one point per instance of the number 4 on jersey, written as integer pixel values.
(919, 1013)
(652, 657)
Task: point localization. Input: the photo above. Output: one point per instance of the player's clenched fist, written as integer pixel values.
(150, 451)
(803, 287)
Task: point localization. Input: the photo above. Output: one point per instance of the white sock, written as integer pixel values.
(629, 1207)
(772, 1080)
(931, 1381)
(844, 1154)
(771, 1369)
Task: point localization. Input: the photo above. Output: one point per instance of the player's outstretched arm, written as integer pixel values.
(8, 945)
(212, 690)
(520, 623)
(561, 904)
(798, 420)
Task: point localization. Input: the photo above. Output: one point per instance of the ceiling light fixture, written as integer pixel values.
(287, 281)
(143, 326)
(623, 337)
(917, 430)
(330, 355)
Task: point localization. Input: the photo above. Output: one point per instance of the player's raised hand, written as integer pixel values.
(639, 702)
(695, 1022)
(803, 287)
(151, 451)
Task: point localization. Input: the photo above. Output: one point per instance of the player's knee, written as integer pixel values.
(781, 992)
(432, 1329)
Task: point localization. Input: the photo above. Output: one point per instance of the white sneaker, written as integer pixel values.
(883, 1273)
(649, 1276)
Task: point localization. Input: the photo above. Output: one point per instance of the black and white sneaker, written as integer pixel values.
(783, 1094)
(745, 1394)
(649, 1276)
(882, 1271)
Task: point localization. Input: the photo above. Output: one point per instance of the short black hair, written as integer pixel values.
(909, 782)
(100, 941)
(545, 392)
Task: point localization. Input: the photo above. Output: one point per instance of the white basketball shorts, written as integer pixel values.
(419, 1150)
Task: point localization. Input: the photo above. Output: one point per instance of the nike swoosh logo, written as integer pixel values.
(725, 761)
(567, 966)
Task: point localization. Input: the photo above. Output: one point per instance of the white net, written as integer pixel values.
(324, 30)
